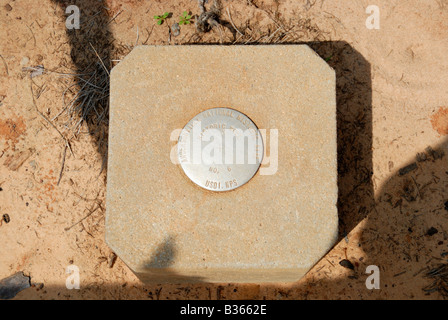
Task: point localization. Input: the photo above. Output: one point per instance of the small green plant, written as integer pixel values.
(185, 18)
(162, 18)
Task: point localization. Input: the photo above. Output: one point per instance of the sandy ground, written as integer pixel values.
(392, 105)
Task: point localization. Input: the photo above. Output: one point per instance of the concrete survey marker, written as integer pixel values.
(205, 215)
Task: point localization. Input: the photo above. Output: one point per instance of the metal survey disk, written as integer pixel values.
(220, 149)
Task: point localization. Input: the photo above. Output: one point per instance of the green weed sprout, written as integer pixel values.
(185, 18)
(161, 18)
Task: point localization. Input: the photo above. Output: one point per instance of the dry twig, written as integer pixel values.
(439, 275)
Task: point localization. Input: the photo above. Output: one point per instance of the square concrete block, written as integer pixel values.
(272, 229)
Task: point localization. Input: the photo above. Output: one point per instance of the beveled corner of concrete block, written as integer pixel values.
(274, 228)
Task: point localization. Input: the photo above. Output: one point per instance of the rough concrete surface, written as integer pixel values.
(274, 228)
